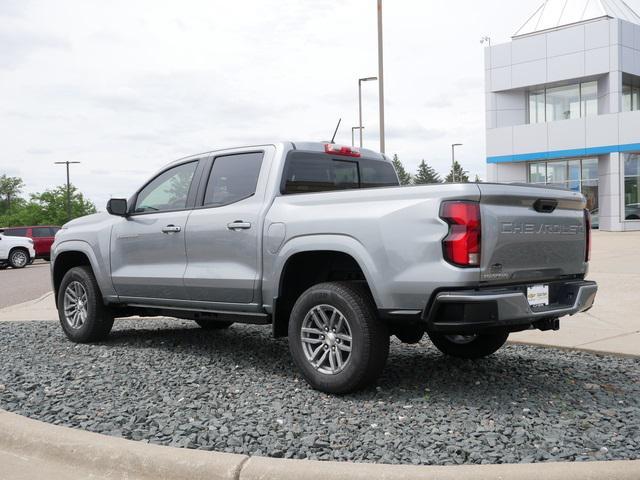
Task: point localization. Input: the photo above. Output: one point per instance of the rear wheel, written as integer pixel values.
(336, 338)
(83, 315)
(213, 325)
(469, 346)
(18, 258)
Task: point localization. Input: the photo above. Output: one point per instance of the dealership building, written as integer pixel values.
(563, 106)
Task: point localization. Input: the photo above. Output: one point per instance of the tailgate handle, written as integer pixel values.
(545, 205)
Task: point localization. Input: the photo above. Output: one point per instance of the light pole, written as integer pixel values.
(453, 161)
(67, 163)
(353, 129)
(380, 77)
(360, 80)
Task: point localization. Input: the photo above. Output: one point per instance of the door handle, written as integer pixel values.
(239, 225)
(171, 229)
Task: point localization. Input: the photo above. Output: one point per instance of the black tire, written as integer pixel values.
(370, 337)
(19, 257)
(213, 325)
(409, 335)
(99, 318)
(482, 345)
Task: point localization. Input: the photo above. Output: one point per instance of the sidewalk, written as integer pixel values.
(611, 326)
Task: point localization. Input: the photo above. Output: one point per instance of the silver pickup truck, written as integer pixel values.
(320, 242)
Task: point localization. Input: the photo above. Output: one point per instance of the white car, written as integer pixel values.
(16, 252)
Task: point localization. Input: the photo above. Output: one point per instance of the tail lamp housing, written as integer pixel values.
(461, 246)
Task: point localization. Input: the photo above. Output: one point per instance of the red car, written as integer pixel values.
(41, 235)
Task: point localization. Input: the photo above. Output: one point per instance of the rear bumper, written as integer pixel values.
(471, 311)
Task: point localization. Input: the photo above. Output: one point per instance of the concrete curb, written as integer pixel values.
(53, 452)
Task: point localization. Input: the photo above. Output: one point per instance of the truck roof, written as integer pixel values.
(293, 145)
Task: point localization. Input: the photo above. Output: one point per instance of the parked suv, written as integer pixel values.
(320, 242)
(42, 237)
(16, 252)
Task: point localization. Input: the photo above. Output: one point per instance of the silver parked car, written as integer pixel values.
(320, 242)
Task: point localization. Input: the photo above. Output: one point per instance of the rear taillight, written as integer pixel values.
(461, 246)
(587, 234)
(341, 150)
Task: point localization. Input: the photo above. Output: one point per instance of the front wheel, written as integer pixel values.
(83, 315)
(18, 258)
(469, 346)
(336, 338)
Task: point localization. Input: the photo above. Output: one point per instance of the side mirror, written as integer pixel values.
(117, 206)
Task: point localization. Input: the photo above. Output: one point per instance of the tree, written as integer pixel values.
(478, 179)
(403, 175)
(426, 174)
(10, 187)
(48, 208)
(461, 175)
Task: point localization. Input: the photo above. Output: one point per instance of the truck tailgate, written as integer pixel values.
(531, 234)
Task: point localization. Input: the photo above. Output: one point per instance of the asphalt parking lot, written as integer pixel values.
(24, 284)
(168, 382)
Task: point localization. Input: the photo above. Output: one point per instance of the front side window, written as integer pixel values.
(233, 178)
(16, 232)
(632, 186)
(168, 191)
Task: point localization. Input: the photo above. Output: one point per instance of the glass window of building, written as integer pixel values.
(589, 99)
(536, 107)
(632, 186)
(563, 103)
(630, 98)
(538, 172)
(579, 175)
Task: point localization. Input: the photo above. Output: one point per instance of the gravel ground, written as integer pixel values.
(168, 382)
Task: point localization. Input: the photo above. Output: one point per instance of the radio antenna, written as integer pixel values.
(336, 131)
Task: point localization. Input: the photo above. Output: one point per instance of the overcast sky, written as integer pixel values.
(127, 86)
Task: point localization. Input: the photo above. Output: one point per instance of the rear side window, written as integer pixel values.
(40, 232)
(16, 232)
(232, 178)
(308, 172)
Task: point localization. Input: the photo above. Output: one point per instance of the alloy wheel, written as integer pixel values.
(75, 305)
(19, 259)
(326, 339)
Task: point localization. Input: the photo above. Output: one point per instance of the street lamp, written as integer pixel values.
(381, 77)
(453, 161)
(360, 80)
(67, 163)
(353, 129)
